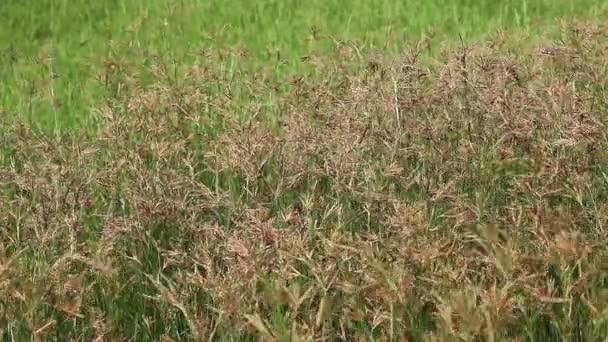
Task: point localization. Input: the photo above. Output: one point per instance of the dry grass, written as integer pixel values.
(463, 199)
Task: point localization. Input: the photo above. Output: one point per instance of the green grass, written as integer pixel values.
(51, 53)
(227, 188)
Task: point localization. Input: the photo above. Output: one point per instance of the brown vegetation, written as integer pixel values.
(465, 198)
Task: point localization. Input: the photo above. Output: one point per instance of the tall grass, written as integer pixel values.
(52, 52)
(465, 198)
(284, 170)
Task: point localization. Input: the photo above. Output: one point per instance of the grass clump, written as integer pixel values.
(464, 198)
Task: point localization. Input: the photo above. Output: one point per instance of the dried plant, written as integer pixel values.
(463, 198)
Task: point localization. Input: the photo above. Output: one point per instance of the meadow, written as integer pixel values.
(53, 53)
(304, 171)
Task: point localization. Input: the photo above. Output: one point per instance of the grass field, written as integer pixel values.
(303, 171)
(52, 53)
